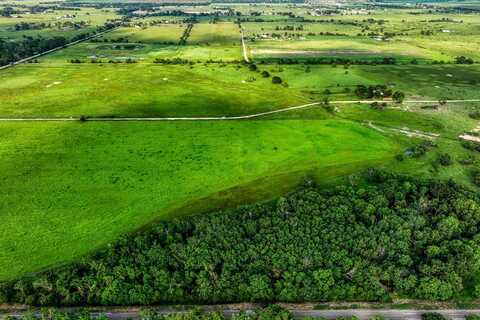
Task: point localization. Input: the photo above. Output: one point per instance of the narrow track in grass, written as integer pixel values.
(244, 47)
(244, 117)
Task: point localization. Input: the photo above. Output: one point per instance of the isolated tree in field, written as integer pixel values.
(252, 67)
(265, 74)
(276, 80)
(445, 159)
(398, 96)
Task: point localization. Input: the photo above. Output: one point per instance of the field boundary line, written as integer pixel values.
(38, 55)
(244, 117)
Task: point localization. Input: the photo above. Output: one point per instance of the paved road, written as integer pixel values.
(362, 314)
(365, 314)
(244, 117)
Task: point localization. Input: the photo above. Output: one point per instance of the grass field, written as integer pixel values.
(55, 87)
(71, 188)
(152, 34)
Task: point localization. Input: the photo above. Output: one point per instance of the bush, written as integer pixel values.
(475, 176)
(471, 145)
(467, 160)
(265, 74)
(474, 115)
(276, 80)
(445, 159)
(398, 96)
(433, 316)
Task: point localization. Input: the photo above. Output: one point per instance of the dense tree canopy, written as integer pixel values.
(366, 242)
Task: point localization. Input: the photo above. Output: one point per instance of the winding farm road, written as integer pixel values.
(244, 117)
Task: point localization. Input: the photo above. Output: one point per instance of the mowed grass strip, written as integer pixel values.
(70, 188)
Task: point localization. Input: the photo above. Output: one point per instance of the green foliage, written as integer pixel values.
(471, 145)
(375, 91)
(433, 316)
(420, 149)
(474, 115)
(271, 312)
(445, 159)
(475, 176)
(347, 243)
(398, 96)
(276, 80)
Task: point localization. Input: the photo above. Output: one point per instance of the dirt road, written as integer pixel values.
(244, 117)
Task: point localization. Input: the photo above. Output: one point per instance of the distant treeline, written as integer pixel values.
(351, 61)
(11, 51)
(331, 61)
(394, 236)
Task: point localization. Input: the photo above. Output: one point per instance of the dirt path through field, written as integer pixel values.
(244, 117)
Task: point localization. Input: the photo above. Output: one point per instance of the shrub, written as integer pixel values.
(445, 159)
(265, 74)
(474, 115)
(398, 96)
(433, 316)
(276, 80)
(467, 160)
(475, 176)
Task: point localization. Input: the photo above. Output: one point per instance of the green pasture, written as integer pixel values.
(70, 188)
(138, 90)
(148, 89)
(449, 35)
(223, 33)
(152, 34)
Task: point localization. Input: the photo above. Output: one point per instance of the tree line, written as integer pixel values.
(11, 51)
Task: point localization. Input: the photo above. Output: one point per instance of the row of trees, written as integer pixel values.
(11, 51)
(393, 236)
(332, 61)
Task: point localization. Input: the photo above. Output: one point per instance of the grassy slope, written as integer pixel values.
(70, 188)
